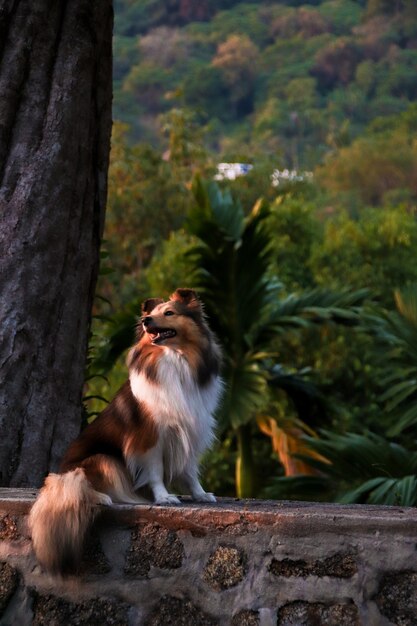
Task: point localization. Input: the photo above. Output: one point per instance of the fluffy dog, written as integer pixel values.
(151, 434)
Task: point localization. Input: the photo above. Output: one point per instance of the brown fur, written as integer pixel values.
(60, 517)
(93, 469)
(194, 339)
(112, 432)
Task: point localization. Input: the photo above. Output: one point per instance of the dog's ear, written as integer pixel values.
(150, 304)
(188, 297)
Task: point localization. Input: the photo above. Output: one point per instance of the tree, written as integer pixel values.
(376, 468)
(377, 251)
(395, 334)
(303, 22)
(148, 197)
(354, 468)
(237, 58)
(373, 168)
(335, 64)
(55, 123)
(243, 300)
(145, 201)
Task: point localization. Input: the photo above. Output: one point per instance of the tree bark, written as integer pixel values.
(55, 124)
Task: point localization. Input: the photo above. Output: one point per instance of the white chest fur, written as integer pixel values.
(182, 409)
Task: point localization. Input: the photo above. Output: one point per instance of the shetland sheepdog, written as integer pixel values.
(150, 436)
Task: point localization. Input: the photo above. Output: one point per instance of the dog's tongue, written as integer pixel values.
(159, 334)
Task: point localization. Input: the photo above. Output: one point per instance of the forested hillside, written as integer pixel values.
(289, 79)
(312, 290)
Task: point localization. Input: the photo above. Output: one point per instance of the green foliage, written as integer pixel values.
(170, 266)
(248, 311)
(139, 181)
(342, 14)
(237, 59)
(384, 472)
(296, 230)
(330, 87)
(369, 467)
(231, 261)
(325, 62)
(115, 337)
(371, 167)
(396, 336)
(186, 153)
(376, 251)
(134, 17)
(335, 64)
(148, 197)
(205, 90)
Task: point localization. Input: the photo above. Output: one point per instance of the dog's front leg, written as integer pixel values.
(191, 482)
(153, 462)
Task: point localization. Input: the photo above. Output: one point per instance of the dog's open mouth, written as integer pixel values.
(160, 334)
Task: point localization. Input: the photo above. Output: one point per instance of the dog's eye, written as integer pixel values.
(169, 313)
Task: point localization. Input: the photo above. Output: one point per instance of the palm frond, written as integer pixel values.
(116, 338)
(288, 443)
(395, 333)
(358, 468)
(309, 488)
(387, 491)
(306, 397)
(246, 390)
(406, 302)
(355, 457)
(403, 419)
(317, 306)
(231, 259)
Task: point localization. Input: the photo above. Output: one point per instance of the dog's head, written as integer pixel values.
(175, 323)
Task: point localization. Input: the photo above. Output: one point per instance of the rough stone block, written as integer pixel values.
(94, 561)
(397, 597)
(9, 530)
(178, 612)
(154, 545)
(9, 580)
(337, 566)
(225, 568)
(50, 610)
(318, 614)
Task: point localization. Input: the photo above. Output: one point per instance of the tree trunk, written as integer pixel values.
(55, 124)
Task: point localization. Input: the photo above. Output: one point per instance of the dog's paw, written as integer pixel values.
(103, 499)
(168, 499)
(204, 497)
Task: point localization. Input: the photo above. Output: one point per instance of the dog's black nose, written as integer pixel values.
(146, 320)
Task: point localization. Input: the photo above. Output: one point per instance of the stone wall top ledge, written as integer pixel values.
(200, 517)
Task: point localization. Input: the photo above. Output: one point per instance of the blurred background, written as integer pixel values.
(265, 153)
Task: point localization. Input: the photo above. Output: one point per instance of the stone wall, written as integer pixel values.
(238, 563)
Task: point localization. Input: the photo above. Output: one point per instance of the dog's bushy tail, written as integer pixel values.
(60, 518)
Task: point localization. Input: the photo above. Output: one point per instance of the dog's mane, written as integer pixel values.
(144, 358)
